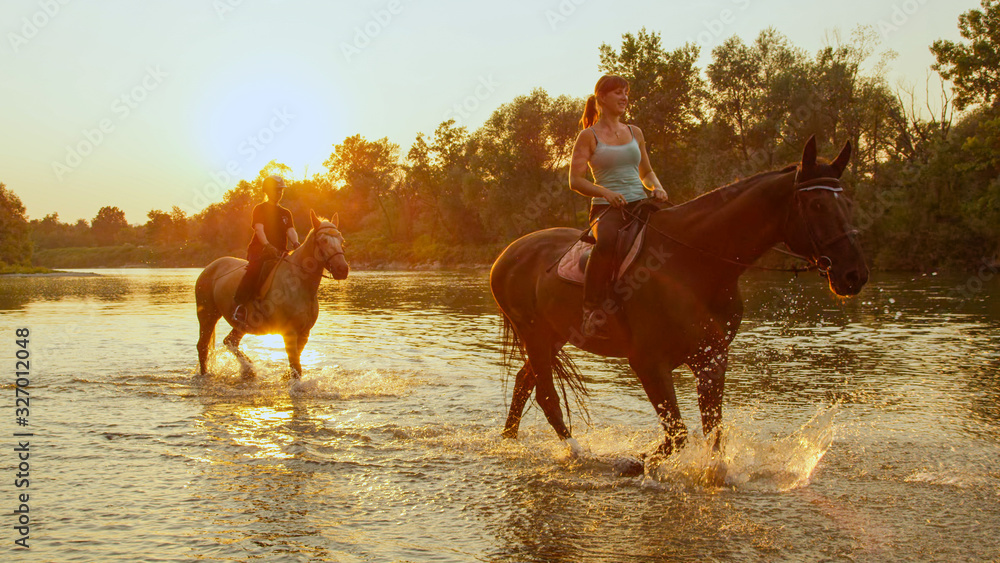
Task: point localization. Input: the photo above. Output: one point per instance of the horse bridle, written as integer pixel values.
(326, 260)
(337, 253)
(822, 262)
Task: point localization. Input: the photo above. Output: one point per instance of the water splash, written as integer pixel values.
(748, 462)
(329, 382)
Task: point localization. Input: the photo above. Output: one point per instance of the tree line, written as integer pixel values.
(926, 186)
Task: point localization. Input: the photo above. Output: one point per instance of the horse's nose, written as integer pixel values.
(856, 279)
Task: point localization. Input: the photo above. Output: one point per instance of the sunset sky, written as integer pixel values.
(144, 104)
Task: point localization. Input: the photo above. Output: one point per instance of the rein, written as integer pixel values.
(823, 268)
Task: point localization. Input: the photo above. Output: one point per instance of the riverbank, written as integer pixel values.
(374, 253)
(370, 254)
(14, 271)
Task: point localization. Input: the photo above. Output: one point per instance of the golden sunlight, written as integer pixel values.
(246, 118)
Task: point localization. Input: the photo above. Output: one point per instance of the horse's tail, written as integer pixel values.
(565, 369)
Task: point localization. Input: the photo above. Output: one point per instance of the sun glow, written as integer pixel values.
(248, 118)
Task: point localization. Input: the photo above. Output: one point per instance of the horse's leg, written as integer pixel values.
(208, 316)
(294, 343)
(207, 320)
(656, 376)
(232, 341)
(709, 366)
(524, 384)
(541, 353)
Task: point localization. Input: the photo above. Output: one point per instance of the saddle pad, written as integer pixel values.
(571, 266)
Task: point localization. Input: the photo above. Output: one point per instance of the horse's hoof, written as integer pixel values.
(629, 467)
(575, 449)
(509, 434)
(299, 387)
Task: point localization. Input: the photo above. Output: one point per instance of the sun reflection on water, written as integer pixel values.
(262, 428)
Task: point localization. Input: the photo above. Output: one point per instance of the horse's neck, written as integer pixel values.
(744, 226)
(310, 273)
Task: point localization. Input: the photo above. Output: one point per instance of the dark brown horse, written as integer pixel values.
(289, 308)
(679, 302)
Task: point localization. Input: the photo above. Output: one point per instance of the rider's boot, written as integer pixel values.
(596, 280)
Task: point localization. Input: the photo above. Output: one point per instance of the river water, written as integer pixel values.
(865, 429)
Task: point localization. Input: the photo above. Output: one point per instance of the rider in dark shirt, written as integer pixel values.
(272, 231)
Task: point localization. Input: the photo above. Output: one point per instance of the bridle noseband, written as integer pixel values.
(822, 262)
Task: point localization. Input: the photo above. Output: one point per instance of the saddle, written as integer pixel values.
(267, 274)
(573, 265)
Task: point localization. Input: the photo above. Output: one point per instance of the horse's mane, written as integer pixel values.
(717, 197)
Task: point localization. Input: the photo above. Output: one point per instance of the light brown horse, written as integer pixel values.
(290, 306)
(679, 302)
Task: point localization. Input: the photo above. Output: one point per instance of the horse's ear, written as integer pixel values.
(313, 219)
(840, 163)
(809, 153)
(335, 220)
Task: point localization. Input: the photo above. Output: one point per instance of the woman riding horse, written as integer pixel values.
(616, 154)
(682, 303)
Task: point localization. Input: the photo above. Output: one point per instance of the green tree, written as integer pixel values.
(437, 173)
(519, 160)
(108, 224)
(158, 227)
(368, 171)
(855, 105)
(973, 67)
(751, 95)
(50, 232)
(179, 226)
(15, 232)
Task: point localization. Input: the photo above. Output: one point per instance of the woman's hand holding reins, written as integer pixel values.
(660, 194)
(616, 199)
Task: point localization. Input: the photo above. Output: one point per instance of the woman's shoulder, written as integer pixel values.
(587, 136)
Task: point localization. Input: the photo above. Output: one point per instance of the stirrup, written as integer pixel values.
(594, 326)
(240, 314)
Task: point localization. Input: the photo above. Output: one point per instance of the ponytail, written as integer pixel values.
(590, 112)
(606, 84)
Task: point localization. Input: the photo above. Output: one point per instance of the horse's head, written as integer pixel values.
(818, 224)
(329, 245)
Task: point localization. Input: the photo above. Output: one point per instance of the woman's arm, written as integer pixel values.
(578, 182)
(646, 174)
